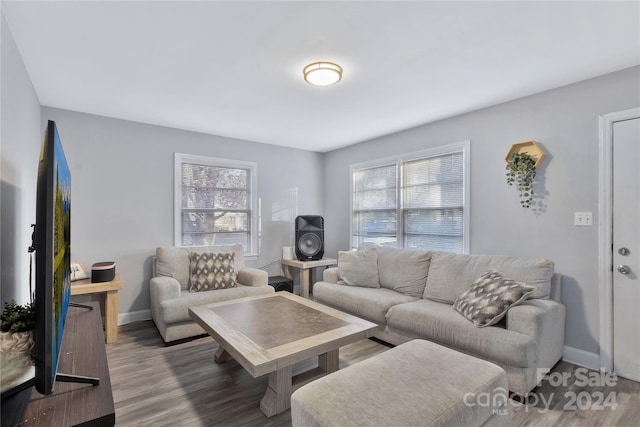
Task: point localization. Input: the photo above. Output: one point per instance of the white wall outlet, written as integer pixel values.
(583, 218)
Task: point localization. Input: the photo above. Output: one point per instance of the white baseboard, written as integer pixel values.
(133, 316)
(582, 358)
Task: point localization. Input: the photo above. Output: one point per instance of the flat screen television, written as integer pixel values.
(52, 241)
(52, 245)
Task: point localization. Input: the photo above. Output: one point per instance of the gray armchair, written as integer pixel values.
(171, 298)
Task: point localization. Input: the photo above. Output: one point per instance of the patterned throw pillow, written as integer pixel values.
(489, 298)
(211, 270)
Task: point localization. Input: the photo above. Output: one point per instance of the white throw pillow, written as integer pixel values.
(359, 268)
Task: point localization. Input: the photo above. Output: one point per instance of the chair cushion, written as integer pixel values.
(177, 309)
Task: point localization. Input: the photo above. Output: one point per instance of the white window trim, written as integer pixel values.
(180, 158)
(463, 146)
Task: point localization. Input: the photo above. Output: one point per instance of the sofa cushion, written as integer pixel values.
(452, 274)
(358, 268)
(211, 271)
(403, 270)
(489, 298)
(440, 323)
(368, 303)
(174, 261)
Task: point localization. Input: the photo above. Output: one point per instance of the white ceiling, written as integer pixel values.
(235, 68)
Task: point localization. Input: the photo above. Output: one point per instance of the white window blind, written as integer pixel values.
(215, 202)
(375, 202)
(433, 198)
(414, 201)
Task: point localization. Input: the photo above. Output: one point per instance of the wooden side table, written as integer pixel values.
(307, 271)
(110, 291)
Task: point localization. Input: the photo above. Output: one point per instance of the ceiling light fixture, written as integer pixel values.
(322, 73)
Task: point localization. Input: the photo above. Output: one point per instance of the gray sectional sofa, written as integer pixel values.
(414, 298)
(171, 298)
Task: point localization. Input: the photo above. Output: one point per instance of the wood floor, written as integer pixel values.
(181, 385)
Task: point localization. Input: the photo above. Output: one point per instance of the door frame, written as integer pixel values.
(605, 231)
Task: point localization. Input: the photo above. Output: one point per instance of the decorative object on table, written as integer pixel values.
(103, 271)
(522, 161)
(17, 324)
(288, 253)
(77, 272)
(17, 342)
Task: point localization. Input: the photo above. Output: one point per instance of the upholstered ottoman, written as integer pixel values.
(418, 383)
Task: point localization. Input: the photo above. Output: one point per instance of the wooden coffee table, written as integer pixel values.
(267, 334)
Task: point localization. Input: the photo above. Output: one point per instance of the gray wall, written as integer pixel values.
(20, 141)
(122, 192)
(122, 177)
(564, 122)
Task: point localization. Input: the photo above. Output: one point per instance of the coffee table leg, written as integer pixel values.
(329, 361)
(222, 355)
(278, 396)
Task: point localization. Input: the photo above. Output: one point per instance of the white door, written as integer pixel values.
(626, 248)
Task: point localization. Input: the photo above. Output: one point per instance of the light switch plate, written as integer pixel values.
(582, 219)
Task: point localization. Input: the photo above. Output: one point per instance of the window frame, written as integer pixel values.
(254, 208)
(463, 147)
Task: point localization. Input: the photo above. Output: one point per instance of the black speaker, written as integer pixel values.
(280, 283)
(309, 237)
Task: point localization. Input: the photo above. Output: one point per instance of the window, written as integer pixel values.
(215, 202)
(418, 200)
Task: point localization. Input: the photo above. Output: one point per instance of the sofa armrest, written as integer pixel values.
(330, 275)
(253, 277)
(543, 320)
(162, 288)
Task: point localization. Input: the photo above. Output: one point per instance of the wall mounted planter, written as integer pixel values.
(529, 147)
(522, 160)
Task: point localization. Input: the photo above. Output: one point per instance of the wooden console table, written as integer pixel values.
(110, 291)
(71, 404)
(307, 271)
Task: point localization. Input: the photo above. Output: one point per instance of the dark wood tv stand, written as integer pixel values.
(71, 404)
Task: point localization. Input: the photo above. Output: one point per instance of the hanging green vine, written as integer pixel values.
(521, 170)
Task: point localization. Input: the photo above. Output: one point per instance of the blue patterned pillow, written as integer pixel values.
(490, 297)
